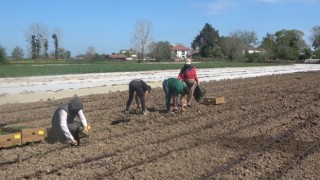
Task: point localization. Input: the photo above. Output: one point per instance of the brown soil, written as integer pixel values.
(268, 129)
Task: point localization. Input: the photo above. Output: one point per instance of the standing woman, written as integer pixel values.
(188, 74)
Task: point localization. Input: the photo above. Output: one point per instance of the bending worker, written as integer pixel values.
(142, 90)
(172, 88)
(64, 128)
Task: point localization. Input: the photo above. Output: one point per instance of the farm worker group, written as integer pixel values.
(64, 128)
(182, 86)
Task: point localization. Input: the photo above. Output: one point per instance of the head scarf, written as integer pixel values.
(75, 104)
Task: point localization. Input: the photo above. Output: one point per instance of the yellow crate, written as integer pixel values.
(11, 139)
(28, 134)
(213, 100)
(32, 135)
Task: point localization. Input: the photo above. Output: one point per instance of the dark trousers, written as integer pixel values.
(74, 128)
(168, 94)
(56, 135)
(135, 87)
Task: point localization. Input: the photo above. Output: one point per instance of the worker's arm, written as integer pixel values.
(64, 127)
(83, 121)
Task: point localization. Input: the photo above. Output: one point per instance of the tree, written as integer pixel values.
(206, 41)
(232, 47)
(3, 59)
(317, 53)
(289, 44)
(61, 53)
(33, 47)
(17, 53)
(46, 47)
(315, 38)
(160, 50)
(37, 36)
(68, 54)
(57, 35)
(56, 46)
(127, 54)
(248, 38)
(91, 51)
(269, 44)
(142, 36)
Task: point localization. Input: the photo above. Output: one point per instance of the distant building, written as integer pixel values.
(130, 54)
(251, 50)
(179, 52)
(312, 61)
(80, 57)
(116, 57)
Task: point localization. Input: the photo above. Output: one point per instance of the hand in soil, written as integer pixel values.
(73, 143)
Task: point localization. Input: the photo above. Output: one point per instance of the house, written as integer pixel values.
(80, 57)
(251, 50)
(179, 52)
(312, 61)
(129, 53)
(116, 57)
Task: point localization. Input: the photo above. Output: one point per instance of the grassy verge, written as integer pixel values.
(42, 69)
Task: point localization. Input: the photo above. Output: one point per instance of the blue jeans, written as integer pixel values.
(168, 94)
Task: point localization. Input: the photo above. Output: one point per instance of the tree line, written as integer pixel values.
(282, 45)
(208, 44)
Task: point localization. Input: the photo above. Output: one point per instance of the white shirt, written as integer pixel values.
(63, 122)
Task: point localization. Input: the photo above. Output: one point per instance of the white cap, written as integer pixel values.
(188, 61)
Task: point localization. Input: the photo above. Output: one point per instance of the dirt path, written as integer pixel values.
(267, 129)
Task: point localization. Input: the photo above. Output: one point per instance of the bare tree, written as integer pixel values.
(91, 51)
(232, 46)
(142, 36)
(248, 38)
(315, 38)
(17, 53)
(37, 37)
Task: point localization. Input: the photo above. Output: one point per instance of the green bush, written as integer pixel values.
(317, 54)
(3, 59)
(254, 58)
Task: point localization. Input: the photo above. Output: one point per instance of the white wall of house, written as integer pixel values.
(251, 51)
(181, 54)
(312, 61)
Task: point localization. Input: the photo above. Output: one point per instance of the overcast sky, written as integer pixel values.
(108, 25)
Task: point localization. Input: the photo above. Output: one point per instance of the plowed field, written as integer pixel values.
(268, 129)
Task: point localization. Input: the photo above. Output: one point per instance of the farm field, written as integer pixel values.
(267, 129)
(42, 88)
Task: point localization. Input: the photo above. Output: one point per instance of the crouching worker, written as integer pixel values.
(172, 88)
(141, 90)
(64, 128)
